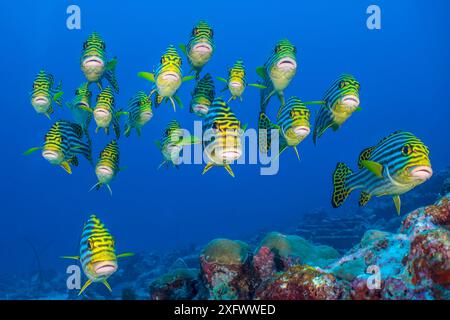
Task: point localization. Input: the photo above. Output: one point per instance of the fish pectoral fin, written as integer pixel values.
(107, 285)
(358, 109)
(364, 198)
(70, 257)
(229, 170)
(86, 108)
(188, 78)
(182, 47)
(31, 150)
(111, 65)
(257, 85)
(374, 167)
(397, 203)
(187, 141)
(125, 255)
(158, 144)
(261, 71)
(224, 89)
(314, 102)
(66, 166)
(147, 75)
(87, 284)
(207, 167)
(57, 98)
(222, 79)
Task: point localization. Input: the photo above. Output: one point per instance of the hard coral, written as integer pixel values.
(302, 283)
(178, 284)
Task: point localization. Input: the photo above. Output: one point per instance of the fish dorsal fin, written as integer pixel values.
(364, 155)
(374, 167)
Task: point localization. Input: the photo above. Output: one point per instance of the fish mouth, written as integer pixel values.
(41, 101)
(51, 156)
(101, 114)
(422, 172)
(202, 47)
(105, 171)
(201, 109)
(301, 131)
(171, 76)
(146, 116)
(105, 268)
(350, 100)
(93, 61)
(287, 64)
(235, 84)
(229, 155)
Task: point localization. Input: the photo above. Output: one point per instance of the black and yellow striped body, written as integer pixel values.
(222, 136)
(79, 104)
(139, 112)
(105, 113)
(43, 93)
(397, 164)
(340, 101)
(200, 47)
(108, 164)
(94, 64)
(202, 96)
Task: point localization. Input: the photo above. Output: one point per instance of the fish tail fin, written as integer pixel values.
(324, 120)
(264, 132)
(340, 188)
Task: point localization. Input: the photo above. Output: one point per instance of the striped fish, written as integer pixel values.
(237, 82)
(94, 64)
(63, 142)
(202, 96)
(105, 114)
(278, 70)
(97, 253)
(78, 105)
(107, 166)
(139, 112)
(200, 47)
(292, 124)
(340, 101)
(167, 78)
(43, 93)
(222, 133)
(397, 164)
(172, 142)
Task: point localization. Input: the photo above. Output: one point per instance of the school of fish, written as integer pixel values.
(397, 164)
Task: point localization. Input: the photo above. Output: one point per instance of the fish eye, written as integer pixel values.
(195, 31)
(357, 85)
(90, 244)
(163, 59)
(103, 45)
(407, 150)
(277, 49)
(211, 32)
(85, 45)
(215, 126)
(77, 92)
(343, 84)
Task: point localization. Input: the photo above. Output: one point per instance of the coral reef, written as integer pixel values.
(410, 261)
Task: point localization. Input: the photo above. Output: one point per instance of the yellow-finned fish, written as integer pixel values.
(397, 164)
(97, 253)
(108, 165)
(63, 142)
(222, 136)
(167, 78)
(44, 93)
